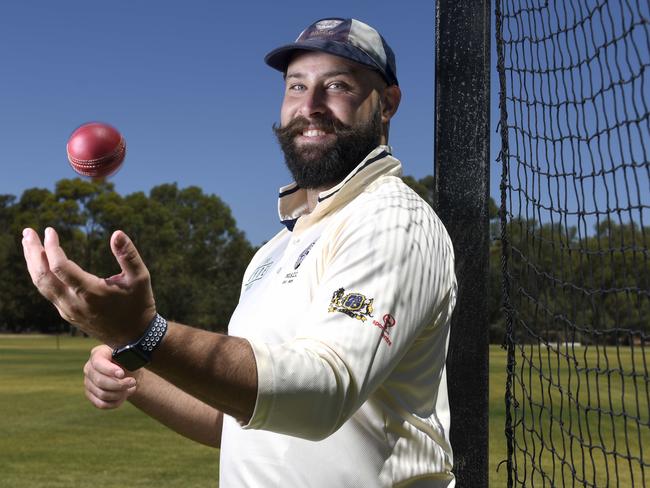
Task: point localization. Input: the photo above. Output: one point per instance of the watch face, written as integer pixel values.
(129, 358)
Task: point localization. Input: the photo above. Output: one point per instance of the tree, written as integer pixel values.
(189, 241)
(23, 307)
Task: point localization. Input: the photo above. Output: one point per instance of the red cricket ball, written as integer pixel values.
(96, 150)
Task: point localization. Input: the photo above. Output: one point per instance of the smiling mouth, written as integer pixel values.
(313, 133)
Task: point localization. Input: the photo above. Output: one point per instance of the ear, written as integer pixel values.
(390, 99)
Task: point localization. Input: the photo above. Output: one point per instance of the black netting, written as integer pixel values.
(575, 214)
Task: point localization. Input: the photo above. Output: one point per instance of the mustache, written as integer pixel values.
(300, 123)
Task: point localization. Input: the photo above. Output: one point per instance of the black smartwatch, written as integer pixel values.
(138, 354)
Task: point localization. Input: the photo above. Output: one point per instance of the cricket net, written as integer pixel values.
(574, 95)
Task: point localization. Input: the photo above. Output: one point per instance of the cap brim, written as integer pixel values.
(279, 58)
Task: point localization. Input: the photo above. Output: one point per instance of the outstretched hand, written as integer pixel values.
(115, 310)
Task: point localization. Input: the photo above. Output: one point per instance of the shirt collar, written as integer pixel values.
(292, 201)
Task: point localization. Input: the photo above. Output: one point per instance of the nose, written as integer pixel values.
(313, 103)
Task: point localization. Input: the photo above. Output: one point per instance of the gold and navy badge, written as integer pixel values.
(354, 305)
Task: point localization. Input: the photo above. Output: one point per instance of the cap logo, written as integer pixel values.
(327, 24)
(332, 29)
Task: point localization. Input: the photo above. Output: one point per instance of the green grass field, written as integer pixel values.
(50, 436)
(583, 416)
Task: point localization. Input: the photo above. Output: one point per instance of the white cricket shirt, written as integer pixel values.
(347, 311)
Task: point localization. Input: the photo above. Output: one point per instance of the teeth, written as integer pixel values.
(313, 133)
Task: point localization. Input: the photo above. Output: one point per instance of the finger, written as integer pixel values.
(101, 359)
(109, 383)
(107, 380)
(101, 351)
(38, 266)
(107, 396)
(110, 399)
(101, 404)
(67, 271)
(126, 254)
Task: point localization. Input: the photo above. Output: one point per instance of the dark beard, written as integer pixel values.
(323, 166)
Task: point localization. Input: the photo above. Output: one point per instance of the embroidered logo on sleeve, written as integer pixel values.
(354, 305)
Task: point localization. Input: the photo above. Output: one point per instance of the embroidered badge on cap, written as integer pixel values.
(328, 24)
(354, 305)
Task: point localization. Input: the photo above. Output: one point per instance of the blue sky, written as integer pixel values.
(186, 84)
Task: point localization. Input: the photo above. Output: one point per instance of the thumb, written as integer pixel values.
(101, 360)
(126, 254)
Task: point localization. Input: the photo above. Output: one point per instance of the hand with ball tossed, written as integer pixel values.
(115, 310)
(212, 373)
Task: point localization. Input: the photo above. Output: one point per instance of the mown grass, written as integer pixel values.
(50, 436)
(581, 415)
(498, 454)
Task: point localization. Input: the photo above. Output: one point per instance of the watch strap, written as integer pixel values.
(153, 335)
(146, 345)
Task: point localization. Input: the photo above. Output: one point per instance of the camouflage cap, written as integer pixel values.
(348, 38)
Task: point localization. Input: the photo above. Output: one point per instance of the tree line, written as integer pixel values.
(189, 240)
(566, 283)
(563, 285)
(572, 284)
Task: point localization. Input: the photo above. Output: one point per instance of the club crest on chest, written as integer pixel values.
(353, 305)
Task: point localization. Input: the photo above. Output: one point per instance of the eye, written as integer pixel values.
(338, 85)
(296, 87)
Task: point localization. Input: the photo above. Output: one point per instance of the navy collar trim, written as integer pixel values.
(289, 191)
(289, 224)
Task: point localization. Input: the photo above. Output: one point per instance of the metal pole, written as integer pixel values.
(462, 104)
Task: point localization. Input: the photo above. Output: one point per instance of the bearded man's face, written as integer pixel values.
(330, 119)
(324, 164)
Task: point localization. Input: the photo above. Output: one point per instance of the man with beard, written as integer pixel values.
(333, 372)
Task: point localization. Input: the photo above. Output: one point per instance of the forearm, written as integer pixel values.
(217, 369)
(176, 409)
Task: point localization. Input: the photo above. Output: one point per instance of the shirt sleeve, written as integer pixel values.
(387, 276)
